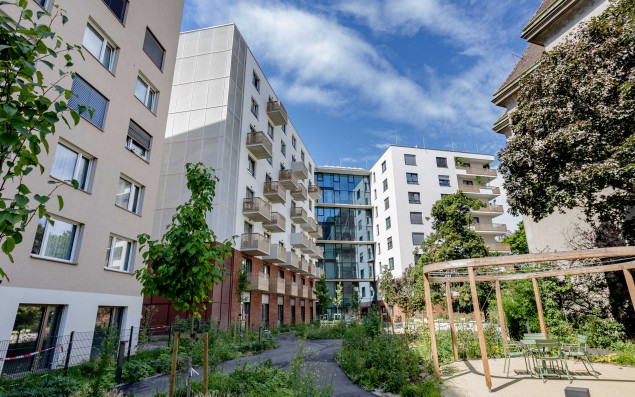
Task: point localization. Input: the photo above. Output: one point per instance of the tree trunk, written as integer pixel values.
(189, 359)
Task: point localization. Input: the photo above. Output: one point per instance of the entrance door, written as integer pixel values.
(280, 310)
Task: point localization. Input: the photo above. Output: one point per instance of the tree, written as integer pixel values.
(242, 285)
(339, 297)
(518, 240)
(355, 301)
(574, 128)
(322, 294)
(388, 289)
(30, 107)
(186, 263)
(405, 293)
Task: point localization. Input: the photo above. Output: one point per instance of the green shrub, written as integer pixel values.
(602, 332)
(135, 370)
(428, 388)
(47, 386)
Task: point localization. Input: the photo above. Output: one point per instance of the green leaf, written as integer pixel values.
(60, 201)
(21, 200)
(10, 109)
(22, 188)
(41, 199)
(8, 245)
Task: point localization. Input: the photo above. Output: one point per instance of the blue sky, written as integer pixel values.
(357, 75)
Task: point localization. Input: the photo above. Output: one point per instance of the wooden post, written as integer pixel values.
(433, 338)
(205, 362)
(541, 316)
(479, 327)
(175, 351)
(448, 299)
(631, 285)
(501, 313)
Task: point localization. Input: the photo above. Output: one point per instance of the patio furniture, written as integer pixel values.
(548, 353)
(512, 350)
(579, 350)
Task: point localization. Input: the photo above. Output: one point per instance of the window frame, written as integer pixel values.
(410, 180)
(150, 89)
(419, 214)
(45, 236)
(130, 254)
(389, 243)
(106, 42)
(80, 154)
(383, 167)
(129, 140)
(412, 199)
(125, 11)
(391, 263)
(138, 190)
(251, 169)
(388, 223)
(423, 236)
(406, 158)
(386, 203)
(385, 184)
(255, 108)
(444, 162)
(47, 6)
(443, 179)
(255, 80)
(158, 43)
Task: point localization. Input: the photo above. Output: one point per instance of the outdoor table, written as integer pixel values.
(530, 346)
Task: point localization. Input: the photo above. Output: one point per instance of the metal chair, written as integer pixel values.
(512, 350)
(548, 353)
(579, 350)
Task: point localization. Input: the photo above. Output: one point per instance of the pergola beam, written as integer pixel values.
(631, 285)
(541, 316)
(501, 313)
(448, 300)
(479, 328)
(433, 339)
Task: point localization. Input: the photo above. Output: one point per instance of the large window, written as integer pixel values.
(101, 48)
(71, 165)
(410, 159)
(118, 7)
(90, 98)
(444, 180)
(146, 94)
(442, 162)
(344, 189)
(417, 238)
(412, 179)
(138, 141)
(56, 241)
(153, 49)
(128, 195)
(414, 198)
(345, 224)
(416, 218)
(120, 254)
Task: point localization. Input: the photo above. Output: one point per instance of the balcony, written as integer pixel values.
(259, 144)
(319, 272)
(310, 225)
(298, 215)
(311, 294)
(255, 244)
(276, 285)
(288, 180)
(256, 209)
(278, 254)
(490, 227)
(498, 247)
(291, 289)
(299, 169)
(477, 171)
(304, 266)
(275, 192)
(311, 270)
(305, 291)
(277, 223)
(277, 113)
(318, 233)
(318, 252)
(486, 190)
(300, 193)
(300, 240)
(314, 191)
(258, 282)
(293, 261)
(301, 291)
(489, 209)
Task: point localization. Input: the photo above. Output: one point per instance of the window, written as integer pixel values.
(249, 193)
(270, 160)
(414, 198)
(255, 80)
(293, 142)
(58, 241)
(138, 141)
(101, 49)
(444, 180)
(410, 159)
(389, 243)
(283, 148)
(254, 107)
(43, 323)
(88, 97)
(119, 255)
(266, 269)
(375, 193)
(281, 274)
(70, 165)
(417, 238)
(374, 179)
(247, 264)
(412, 179)
(416, 218)
(468, 183)
(378, 230)
(391, 263)
(442, 162)
(251, 166)
(153, 49)
(388, 225)
(302, 155)
(118, 7)
(293, 158)
(146, 94)
(378, 249)
(385, 184)
(46, 4)
(128, 196)
(363, 291)
(310, 168)
(359, 224)
(383, 167)
(284, 128)
(386, 204)
(376, 212)
(268, 177)
(293, 278)
(476, 219)
(270, 130)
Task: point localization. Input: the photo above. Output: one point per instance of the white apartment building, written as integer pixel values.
(553, 22)
(77, 274)
(407, 181)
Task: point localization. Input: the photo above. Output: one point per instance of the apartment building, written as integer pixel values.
(553, 22)
(407, 181)
(76, 275)
(224, 113)
(344, 212)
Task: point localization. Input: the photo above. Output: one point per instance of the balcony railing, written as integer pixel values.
(303, 291)
(319, 272)
(276, 285)
(318, 252)
(259, 144)
(291, 289)
(498, 247)
(258, 282)
(490, 227)
(478, 189)
(293, 261)
(314, 191)
(300, 193)
(255, 244)
(278, 254)
(298, 215)
(277, 223)
(304, 266)
(277, 113)
(288, 180)
(275, 192)
(490, 208)
(318, 233)
(477, 171)
(300, 240)
(311, 270)
(256, 209)
(299, 169)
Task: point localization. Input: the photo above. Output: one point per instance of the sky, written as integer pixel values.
(358, 75)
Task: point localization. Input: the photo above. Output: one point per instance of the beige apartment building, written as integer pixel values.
(78, 273)
(553, 22)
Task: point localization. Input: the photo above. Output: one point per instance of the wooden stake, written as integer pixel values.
(433, 338)
(631, 285)
(541, 316)
(175, 352)
(501, 313)
(205, 363)
(479, 327)
(448, 299)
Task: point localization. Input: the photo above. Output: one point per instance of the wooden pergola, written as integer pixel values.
(517, 267)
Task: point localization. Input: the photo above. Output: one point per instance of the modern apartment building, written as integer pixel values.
(224, 113)
(407, 181)
(344, 212)
(553, 22)
(76, 275)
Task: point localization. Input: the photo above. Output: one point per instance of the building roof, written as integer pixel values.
(543, 6)
(532, 54)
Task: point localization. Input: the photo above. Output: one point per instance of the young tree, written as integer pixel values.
(322, 294)
(339, 297)
(388, 289)
(518, 240)
(187, 262)
(30, 107)
(405, 293)
(355, 302)
(242, 286)
(574, 128)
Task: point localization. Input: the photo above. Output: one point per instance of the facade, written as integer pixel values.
(553, 23)
(77, 274)
(407, 181)
(344, 212)
(224, 113)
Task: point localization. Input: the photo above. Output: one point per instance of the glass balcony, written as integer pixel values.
(490, 227)
(498, 247)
